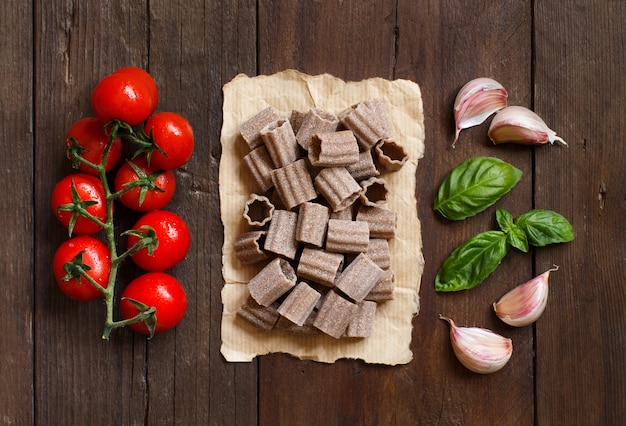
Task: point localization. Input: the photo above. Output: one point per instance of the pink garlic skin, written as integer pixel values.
(524, 304)
(476, 101)
(519, 125)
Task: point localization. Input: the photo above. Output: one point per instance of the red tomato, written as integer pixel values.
(173, 134)
(97, 260)
(160, 290)
(173, 240)
(153, 199)
(122, 96)
(89, 132)
(146, 77)
(88, 188)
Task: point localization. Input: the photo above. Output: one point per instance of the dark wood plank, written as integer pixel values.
(431, 46)
(16, 206)
(580, 89)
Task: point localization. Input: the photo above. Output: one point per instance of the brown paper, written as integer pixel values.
(291, 90)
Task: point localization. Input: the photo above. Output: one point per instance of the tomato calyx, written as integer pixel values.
(145, 182)
(77, 269)
(147, 239)
(145, 142)
(147, 315)
(78, 207)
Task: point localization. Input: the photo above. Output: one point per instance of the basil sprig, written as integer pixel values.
(474, 185)
(472, 262)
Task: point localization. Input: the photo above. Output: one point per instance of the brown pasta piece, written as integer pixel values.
(251, 129)
(262, 317)
(364, 168)
(258, 210)
(358, 278)
(383, 289)
(294, 184)
(362, 322)
(373, 191)
(337, 186)
(281, 234)
(319, 266)
(299, 304)
(347, 236)
(248, 247)
(382, 222)
(315, 121)
(312, 223)
(280, 142)
(390, 155)
(335, 314)
(296, 118)
(306, 329)
(345, 214)
(378, 252)
(368, 121)
(260, 165)
(333, 149)
(274, 280)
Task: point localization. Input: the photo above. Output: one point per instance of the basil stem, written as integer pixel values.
(474, 185)
(543, 227)
(470, 263)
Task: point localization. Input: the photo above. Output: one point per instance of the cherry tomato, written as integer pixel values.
(146, 77)
(96, 261)
(122, 96)
(88, 189)
(89, 133)
(160, 290)
(173, 134)
(173, 238)
(153, 199)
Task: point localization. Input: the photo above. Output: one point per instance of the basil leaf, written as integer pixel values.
(543, 227)
(471, 262)
(474, 185)
(514, 234)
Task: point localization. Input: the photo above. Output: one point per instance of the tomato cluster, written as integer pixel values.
(85, 266)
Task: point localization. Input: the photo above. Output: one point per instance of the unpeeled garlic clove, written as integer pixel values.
(524, 304)
(476, 101)
(479, 349)
(516, 124)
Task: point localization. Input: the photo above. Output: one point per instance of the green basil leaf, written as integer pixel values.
(474, 185)
(543, 227)
(471, 262)
(514, 234)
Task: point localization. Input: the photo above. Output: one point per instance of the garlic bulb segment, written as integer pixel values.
(479, 349)
(476, 101)
(516, 124)
(524, 304)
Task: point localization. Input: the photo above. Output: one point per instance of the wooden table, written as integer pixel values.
(565, 60)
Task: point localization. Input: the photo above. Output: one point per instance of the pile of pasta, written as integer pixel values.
(318, 227)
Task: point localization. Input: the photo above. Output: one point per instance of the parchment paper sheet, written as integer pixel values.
(291, 90)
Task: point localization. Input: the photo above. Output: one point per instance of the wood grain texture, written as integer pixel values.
(565, 60)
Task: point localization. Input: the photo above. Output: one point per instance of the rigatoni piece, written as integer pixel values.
(251, 129)
(383, 289)
(248, 247)
(280, 142)
(259, 164)
(362, 322)
(262, 317)
(316, 120)
(306, 329)
(258, 210)
(274, 280)
(382, 222)
(364, 168)
(296, 118)
(390, 155)
(299, 304)
(373, 191)
(358, 278)
(378, 252)
(334, 315)
(333, 149)
(345, 214)
(319, 266)
(294, 184)
(337, 186)
(312, 223)
(347, 236)
(368, 121)
(281, 234)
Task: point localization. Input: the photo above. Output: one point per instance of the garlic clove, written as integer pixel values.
(476, 101)
(516, 124)
(524, 304)
(480, 350)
